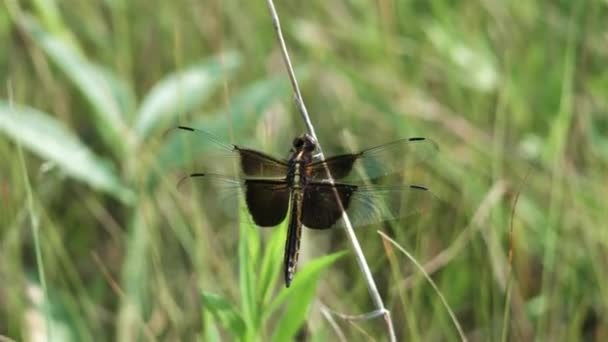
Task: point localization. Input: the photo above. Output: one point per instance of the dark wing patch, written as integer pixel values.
(339, 167)
(320, 209)
(258, 164)
(364, 204)
(267, 201)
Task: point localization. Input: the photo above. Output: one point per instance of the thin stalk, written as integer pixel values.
(360, 257)
(507, 310)
(35, 225)
(430, 280)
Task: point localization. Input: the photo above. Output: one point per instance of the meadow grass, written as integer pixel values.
(97, 243)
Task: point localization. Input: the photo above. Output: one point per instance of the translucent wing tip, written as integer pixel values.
(173, 129)
(431, 141)
(186, 128)
(187, 177)
(419, 187)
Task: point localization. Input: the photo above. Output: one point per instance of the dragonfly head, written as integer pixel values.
(305, 142)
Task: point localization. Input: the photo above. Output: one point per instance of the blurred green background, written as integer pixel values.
(96, 243)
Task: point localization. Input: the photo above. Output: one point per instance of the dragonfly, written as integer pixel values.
(316, 192)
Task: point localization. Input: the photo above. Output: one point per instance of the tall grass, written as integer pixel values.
(505, 88)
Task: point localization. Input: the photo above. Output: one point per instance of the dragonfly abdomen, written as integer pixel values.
(294, 232)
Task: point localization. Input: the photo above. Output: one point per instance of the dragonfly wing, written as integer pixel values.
(390, 158)
(203, 152)
(364, 204)
(320, 209)
(267, 200)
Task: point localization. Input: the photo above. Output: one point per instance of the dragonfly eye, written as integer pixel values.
(310, 144)
(298, 142)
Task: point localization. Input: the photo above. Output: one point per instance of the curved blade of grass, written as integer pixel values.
(430, 280)
(109, 97)
(300, 296)
(35, 225)
(183, 91)
(50, 140)
(223, 311)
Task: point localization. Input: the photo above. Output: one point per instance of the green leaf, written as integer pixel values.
(183, 91)
(271, 263)
(224, 312)
(50, 140)
(109, 97)
(210, 331)
(59, 322)
(299, 296)
(247, 275)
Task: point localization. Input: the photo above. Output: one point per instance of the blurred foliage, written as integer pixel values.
(514, 93)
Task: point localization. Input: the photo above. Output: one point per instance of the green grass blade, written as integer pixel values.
(210, 331)
(562, 122)
(35, 223)
(135, 278)
(183, 91)
(299, 297)
(48, 11)
(225, 313)
(271, 264)
(109, 97)
(247, 277)
(50, 140)
(59, 325)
